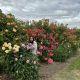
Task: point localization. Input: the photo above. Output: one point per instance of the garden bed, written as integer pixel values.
(56, 43)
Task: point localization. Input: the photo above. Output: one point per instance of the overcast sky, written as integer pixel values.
(63, 11)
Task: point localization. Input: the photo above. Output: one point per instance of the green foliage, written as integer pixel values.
(23, 68)
(21, 65)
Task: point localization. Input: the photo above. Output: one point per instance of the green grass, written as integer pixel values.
(71, 72)
(75, 64)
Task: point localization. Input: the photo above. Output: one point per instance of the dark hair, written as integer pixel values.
(30, 40)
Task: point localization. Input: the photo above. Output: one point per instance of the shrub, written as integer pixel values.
(14, 60)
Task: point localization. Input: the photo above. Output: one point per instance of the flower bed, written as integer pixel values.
(55, 42)
(14, 60)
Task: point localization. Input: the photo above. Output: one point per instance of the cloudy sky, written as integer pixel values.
(62, 11)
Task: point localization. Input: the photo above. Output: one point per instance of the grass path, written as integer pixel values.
(60, 71)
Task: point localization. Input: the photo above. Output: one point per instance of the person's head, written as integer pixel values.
(31, 39)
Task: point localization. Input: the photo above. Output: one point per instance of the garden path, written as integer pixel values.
(48, 71)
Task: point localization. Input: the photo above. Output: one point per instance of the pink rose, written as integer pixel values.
(45, 59)
(39, 53)
(50, 61)
(41, 47)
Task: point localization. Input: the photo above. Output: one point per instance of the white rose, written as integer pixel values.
(3, 48)
(21, 56)
(34, 62)
(16, 59)
(27, 61)
(10, 47)
(23, 45)
(7, 51)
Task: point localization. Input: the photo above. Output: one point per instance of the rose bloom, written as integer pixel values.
(16, 59)
(14, 30)
(39, 53)
(27, 61)
(50, 61)
(6, 30)
(8, 24)
(5, 44)
(35, 62)
(3, 48)
(9, 44)
(45, 59)
(41, 47)
(7, 51)
(10, 47)
(50, 54)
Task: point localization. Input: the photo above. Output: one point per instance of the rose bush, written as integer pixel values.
(55, 42)
(15, 60)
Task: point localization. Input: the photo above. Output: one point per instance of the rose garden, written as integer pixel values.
(56, 43)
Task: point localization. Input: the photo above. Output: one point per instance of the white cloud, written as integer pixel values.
(6, 9)
(66, 11)
(60, 12)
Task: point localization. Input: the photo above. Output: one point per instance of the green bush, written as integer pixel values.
(14, 60)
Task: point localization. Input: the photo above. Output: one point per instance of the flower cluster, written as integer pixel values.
(7, 47)
(34, 62)
(35, 32)
(16, 48)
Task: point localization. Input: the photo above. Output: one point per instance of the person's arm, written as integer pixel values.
(30, 46)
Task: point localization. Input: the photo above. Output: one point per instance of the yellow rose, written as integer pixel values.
(10, 47)
(16, 50)
(7, 51)
(15, 45)
(14, 30)
(16, 38)
(8, 24)
(5, 44)
(9, 44)
(16, 26)
(6, 30)
(18, 47)
(3, 48)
